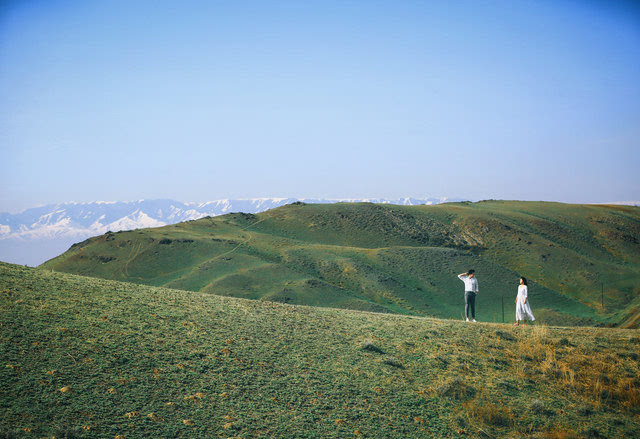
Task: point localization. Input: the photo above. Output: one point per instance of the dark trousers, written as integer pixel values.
(470, 303)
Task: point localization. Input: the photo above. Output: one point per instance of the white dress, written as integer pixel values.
(523, 310)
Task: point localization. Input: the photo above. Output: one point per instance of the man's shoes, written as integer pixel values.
(474, 320)
(467, 319)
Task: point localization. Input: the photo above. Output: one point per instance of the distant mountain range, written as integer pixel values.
(41, 233)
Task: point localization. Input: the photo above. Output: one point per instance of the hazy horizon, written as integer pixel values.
(309, 199)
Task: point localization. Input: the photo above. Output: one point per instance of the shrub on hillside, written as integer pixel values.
(564, 342)
(505, 336)
(394, 362)
(536, 406)
(456, 388)
(370, 346)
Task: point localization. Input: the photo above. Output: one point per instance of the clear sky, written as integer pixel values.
(199, 100)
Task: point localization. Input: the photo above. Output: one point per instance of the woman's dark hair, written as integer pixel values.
(471, 271)
(524, 280)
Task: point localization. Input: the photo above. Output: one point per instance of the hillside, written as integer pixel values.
(41, 233)
(85, 357)
(388, 258)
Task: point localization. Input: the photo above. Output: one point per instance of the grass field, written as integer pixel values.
(86, 357)
(399, 259)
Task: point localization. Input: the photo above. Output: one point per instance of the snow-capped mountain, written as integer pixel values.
(38, 234)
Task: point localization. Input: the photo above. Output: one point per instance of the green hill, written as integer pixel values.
(390, 258)
(86, 357)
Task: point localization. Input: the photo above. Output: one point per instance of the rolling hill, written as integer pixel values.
(41, 233)
(389, 258)
(91, 358)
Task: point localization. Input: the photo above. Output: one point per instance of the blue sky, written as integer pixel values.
(199, 100)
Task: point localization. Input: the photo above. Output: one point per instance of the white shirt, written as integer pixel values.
(470, 283)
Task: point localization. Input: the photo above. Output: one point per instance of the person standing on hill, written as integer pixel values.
(470, 292)
(523, 310)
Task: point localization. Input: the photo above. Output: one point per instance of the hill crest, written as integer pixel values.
(38, 234)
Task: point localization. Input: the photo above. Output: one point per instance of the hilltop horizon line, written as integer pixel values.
(384, 200)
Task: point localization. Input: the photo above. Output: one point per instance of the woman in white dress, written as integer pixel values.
(523, 310)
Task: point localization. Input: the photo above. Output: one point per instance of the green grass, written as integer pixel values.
(139, 361)
(396, 259)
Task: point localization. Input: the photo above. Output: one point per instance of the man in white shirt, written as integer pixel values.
(470, 291)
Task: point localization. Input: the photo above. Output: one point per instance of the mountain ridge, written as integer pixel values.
(40, 233)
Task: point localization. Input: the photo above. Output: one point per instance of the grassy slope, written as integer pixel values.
(142, 361)
(392, 258)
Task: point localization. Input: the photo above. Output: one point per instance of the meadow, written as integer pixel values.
(582, 261)
(85, 357)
